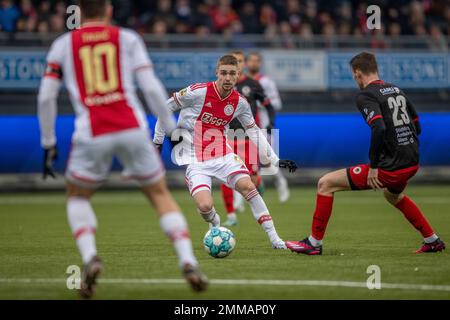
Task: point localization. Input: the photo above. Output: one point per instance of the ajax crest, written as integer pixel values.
(229, 109)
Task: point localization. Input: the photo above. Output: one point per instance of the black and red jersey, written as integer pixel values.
(388, 105)
(252, 91)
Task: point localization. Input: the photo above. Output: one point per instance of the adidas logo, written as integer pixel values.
(209, 105)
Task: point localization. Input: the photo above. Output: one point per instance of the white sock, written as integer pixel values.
(261, 214)
(175, 226)
(431, 238)
(212, 217)
(232, 216)
(83, 224)
(280, 177)
(314, 241)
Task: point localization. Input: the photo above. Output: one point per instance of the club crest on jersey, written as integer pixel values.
(357, 170)
(246, 91)
(229, 109)
(182, 92)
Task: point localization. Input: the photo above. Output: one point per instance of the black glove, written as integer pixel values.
(158, 147)
(291, 165)
(50, 155)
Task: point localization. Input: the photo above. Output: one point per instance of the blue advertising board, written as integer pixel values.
(418, 70)
(292, 70)
(305, 138)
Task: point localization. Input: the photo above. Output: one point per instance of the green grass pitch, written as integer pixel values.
(364, 230)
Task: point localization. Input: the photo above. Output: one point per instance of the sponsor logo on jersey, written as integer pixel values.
(210, 119)
(370, 116)
(389, 90)
(229, 109)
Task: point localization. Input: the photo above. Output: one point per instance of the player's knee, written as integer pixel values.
(205, 206)
(392, 198)
(324, 185)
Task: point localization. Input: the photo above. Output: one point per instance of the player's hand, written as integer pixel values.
(291, 165)
(50, 155)
(158, 147)
(372, 179)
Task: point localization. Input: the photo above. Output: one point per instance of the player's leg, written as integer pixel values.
(412, 213)
(282, 187)
(328, 184)
(247, 188)
(83, 223)
(228, 199)
(205, 207)
(174, 225)
(142, 163)
(87, 168)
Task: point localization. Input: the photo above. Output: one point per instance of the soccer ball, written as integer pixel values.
(219, 242)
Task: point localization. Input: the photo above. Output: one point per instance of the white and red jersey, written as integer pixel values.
(204, 115)
(98, 63)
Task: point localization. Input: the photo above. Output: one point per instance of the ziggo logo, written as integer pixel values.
(210, 119)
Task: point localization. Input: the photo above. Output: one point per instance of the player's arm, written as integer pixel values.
(265, 151)
(267, 103)
(47, 106)
(179, 100)
(414, 116)
(271, 91)
(370, 110)
(154, 93)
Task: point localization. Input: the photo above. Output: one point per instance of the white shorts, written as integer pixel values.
(227, 169)
(90, 162)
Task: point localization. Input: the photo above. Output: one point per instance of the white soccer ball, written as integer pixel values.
(219, 242)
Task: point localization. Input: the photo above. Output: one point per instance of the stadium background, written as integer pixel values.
(305, 45)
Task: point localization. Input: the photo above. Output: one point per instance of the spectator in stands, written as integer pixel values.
(222, 15)
(267, 17)
(202, 19)
(28, 21)
(437, 41)
(164, 12)
(9, 15)
(294, 16)
(249, 19)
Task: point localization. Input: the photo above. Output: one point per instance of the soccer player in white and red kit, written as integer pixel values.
(253, 63)
(205, 111)
(98, 63)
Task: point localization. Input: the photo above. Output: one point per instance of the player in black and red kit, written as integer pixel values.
(394, 158)
(253, 93)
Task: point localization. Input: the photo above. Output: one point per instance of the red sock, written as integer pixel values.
(324, 205)
(415, 216)
(227, 195)
(258, 181)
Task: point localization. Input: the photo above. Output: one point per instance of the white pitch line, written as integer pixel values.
(245, 282)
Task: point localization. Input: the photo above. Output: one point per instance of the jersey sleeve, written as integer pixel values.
(139, 54)
(185, 97)
(244, 114)
(414, 116)
(369, 107)
(55, 58)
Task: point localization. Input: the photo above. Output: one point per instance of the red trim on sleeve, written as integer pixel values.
(251, 125)
(266, 102)
(52, 75)
(176, 100)
(145, 66)
(374, 118)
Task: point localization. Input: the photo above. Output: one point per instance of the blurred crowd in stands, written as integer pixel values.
(277, 18)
